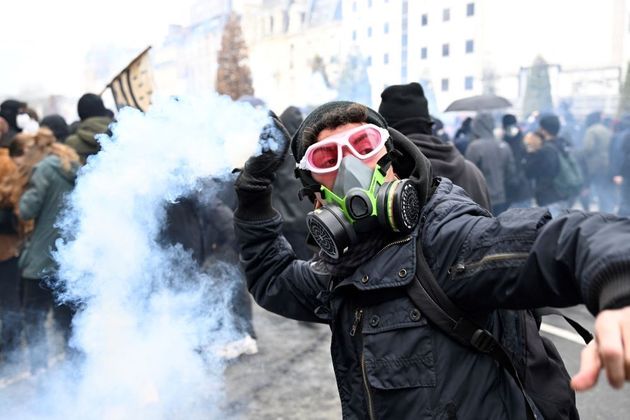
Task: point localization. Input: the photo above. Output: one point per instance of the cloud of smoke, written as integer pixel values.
(148, 317)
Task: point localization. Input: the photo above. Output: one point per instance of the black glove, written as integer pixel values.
(259, 170)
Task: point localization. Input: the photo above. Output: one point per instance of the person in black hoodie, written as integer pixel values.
(287, 187)
(405, 109)
(519, 191)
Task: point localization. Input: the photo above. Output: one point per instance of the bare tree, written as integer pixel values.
(233, 75)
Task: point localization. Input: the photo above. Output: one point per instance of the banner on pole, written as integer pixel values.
(134, 85)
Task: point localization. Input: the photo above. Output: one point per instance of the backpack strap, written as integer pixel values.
(428, 296)
(583, 332)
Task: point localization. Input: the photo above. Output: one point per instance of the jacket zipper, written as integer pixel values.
(367, 387)
(461, 267)
(398, 242)
(358, 315)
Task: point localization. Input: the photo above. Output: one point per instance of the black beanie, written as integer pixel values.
(91, 105)
(291, 119)
(402, 102)
(9, 110)
(57, 125)
(508, 120)
(550, 123)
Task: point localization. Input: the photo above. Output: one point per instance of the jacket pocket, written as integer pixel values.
(398, 347)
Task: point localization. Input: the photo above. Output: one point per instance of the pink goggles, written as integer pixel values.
(325, 156)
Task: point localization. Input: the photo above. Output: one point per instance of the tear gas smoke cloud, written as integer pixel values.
(149, 318)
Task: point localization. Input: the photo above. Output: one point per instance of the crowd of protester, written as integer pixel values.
(500, 162)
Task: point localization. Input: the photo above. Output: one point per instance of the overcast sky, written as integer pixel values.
(43, 42)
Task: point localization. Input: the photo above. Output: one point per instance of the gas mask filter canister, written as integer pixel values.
(361, 200)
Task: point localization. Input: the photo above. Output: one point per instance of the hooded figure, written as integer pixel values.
(95, 119)
(9, 111)
(286, 188)
(520, 193)
(405, 108)
(597, 140)
(389, 359)
(494, 158)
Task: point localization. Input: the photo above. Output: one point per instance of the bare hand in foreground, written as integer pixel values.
(610, 351)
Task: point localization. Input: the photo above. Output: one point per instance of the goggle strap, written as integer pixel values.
(308, 192)
(384, 163)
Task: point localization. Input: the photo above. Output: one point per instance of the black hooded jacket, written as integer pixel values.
(285, 194)
(389, 361)
(448, 162)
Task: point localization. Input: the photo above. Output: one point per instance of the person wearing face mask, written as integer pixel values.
(520, 192)
(28, 121)
(382, 221)
(9, 111)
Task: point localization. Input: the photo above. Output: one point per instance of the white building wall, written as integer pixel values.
(577, 36)
(281, 61)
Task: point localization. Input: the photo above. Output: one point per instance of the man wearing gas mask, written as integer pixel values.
(382, 221)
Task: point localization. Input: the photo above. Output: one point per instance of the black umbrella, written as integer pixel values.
(479, 103)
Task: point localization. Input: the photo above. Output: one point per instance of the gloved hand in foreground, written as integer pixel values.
(259, 170)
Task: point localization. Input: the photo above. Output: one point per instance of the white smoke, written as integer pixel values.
(149, 319)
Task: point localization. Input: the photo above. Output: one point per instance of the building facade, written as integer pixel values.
(459, 48)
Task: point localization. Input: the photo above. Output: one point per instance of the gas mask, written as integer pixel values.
(361, 200)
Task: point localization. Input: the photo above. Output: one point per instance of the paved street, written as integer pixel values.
(291, 377)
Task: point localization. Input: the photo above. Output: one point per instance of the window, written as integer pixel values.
(354, 35)
(468, 83)
(445, 50)
(470, 9)
(470, 46)
(354, 6)
(446, 15)
(425, 19)
(444, 85)
(403, 40)
(386, 59)
(386, 28)
(369, 31)
(423, 53)
(369, 3)
(369, 60)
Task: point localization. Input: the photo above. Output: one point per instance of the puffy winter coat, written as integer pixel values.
(43, 201)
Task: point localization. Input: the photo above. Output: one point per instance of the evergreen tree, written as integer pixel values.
(538, 90)
(624, 99)
(354, 83)
(233, 74)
